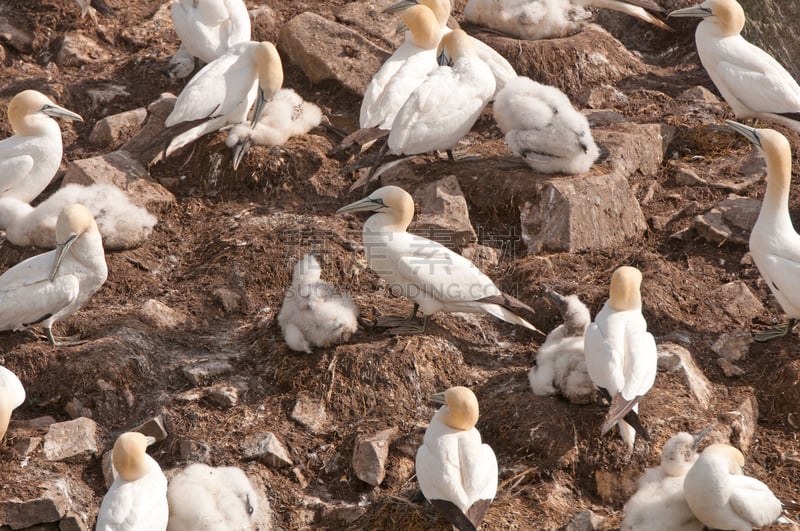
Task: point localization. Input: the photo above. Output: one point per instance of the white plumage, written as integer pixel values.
(543, 127)
(12, 395)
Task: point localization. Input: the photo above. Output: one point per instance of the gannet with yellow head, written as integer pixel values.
(12, 395)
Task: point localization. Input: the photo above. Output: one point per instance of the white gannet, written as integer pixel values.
(204, 498)
(774, 244)
(207, 29)
(12, 395)
(427, 272)
(137, 500)
(30, 158)
(659, 503)
(223, 91)
(122, 224)
(543, 127)
(560, 362)
(753, 83)
(455, 471)
(50, 286)
(621, 354)
(313, 314)
(284, 116)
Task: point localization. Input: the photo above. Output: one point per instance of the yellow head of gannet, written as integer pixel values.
(26, 109)
(128, 456)
(625, 294)
(727, 15)
(270, 76)
(453, 46)
(393, 207)
(461, 405)
(73, 222)
(441, 8)
(422, 24)
(777, 154)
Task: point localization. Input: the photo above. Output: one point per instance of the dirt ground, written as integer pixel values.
(241, 231)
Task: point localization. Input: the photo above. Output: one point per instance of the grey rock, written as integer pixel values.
(106, 93)
(152, 30)
(72, 522)
(698, 94)
(635, 148)
(19, 39)
(482, 256)
(153, 427)
(311, 413)
(733, 346)
(442, 214)
(117, 128)
(736, 300)
(729, 220)
(370, 20)
(158, 314)
(78, 49)
(194, 451)
(266, 449)
(25, 446)
(673, 357)
(144, 145)
(229, 299)
(602, 117)
(686, 176)
(729, 369)
(585, 521)
(50, 506)
(223, 395)
(37, 424)
(370, 454)
(204, 372)
(661, 222)
(73, 440)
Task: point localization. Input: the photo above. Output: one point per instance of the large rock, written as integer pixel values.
(148, 144)
(738, 302)
(635, 148)
(370, 20)
(18, 38)
(71, 440)
(766, 28)
(443, 215)
(49, 506)
(729, 220)
(369, 456)
(78, 49)
(675, 358)
(117, 128)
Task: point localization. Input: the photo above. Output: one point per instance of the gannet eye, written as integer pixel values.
(249, 507)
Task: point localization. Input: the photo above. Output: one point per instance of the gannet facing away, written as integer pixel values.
(53, 285)
(313, 314)
(30, 158)
(137, 500)
(543, 127)
(12, 395)
(621, 354)
(753, 83)
(434, 277)
(456, 472)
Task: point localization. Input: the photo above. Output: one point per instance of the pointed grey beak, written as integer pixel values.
(438, 398)
(443, 59)
(557, 299)
(366, 204)
(61, 250)
(401, 6)
(694, 11)
(401, 28)
(746, 131)
(239, 151)
(60, 112)
(195, 3)
(699, 437)
(260, 102)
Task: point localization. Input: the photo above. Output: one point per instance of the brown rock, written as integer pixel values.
(19, 39)
(78, 49)
(153, 427)
(158, 314)
(229, 299)
(267, 449)
(145, 146)
(730, 220)
(673, 357)
(482, 256)
(117, 128)
(585, 521)
(370, 454)
(443, 215)
(736, 299)
(50, 506)
(635, 148)
(369, 18)
(698, 94)
(70, 441)
(733, 346)
(729, 369)
(205, 371)
(743, 423)
(311, 413)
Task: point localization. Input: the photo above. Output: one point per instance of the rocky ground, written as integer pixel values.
(184, 329)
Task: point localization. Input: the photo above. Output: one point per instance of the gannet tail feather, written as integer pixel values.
(790, 115)
(622, 409)
(635, 8)
(359, 138)
(509, 308)
(454, 515)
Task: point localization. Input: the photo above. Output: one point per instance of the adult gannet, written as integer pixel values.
(224, 90)
(30, 158)
(659, 504)
(621, 354)
(12, 395)
(455, 471)
(753, 83)
(53, 285)
(543, 127)
(207, 29)
(204, 498)
(427, 272)
(137, 500)
(284, 116)
(313, 314)
(122, 224)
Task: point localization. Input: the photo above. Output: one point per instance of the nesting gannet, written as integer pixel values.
(284, 116)
(313, 315)
(30, 158)
(204, 498)
(456, 472)
(207, 29)
(223, 91)
(753, 83)
(560, 362)
(620, 352)
(137, 500)
(122, 224)
(543, 127)
(659, 504)
(50, 286)
(12, 395)
(427, 272)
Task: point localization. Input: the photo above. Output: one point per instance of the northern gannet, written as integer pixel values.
(30, 158)
(137, 500)
(313, 314)
(455, 471)
(543, 127)
(207, 29)
(427, 272)
(284, 116)
(204, 498)
(621, 354)
(12, 395)
(53, 285)
(122, 224)
(753, 83)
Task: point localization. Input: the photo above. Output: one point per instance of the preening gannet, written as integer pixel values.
(137, 500)
(30, 158)
(313, 314)
(122, 224)
(12, 395)
(753, 83)
(456, 472)
(621, 354)
(204, 498)
(207, 29)
(543, 127)
(284, 116)
(50, 286)
(434, 277)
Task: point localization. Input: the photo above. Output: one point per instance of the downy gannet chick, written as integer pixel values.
(207, 29)
(12, 395)
(753, 83)
(456, 472)
(204, 498)
(621, 354)
(313, 315)
(284, 116)
(53, 285)
(122, 224)
(427, 272)
(137, 500)
(543, 127)
(30, 158)
(560, 362)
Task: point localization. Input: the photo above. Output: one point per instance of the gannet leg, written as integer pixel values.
(394, 321)
(463, 158)
(411, 329)
(69, 341)
(775, 333)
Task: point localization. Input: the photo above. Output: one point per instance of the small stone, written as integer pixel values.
(443, 215)
(698, 94)
(72, 522)
(736, 299)
(603, 117)
(71, 441)
(743, 422)
(370, 454)
(194, 451)
(153, 427)
(229, 299)
(19, 39)
(105, 94)
(733, 346)
(25, 446)
(74, 408)
(729, 220)
(729, 369)
(482, 256)
(299, 477)
(673, 357)
(39, 423)
(686, 176)
(78, 49)
(204, 372)
(311, 413)
(266, 449)
(223, 395)
(117, 128)
(585, 521)
(158, 314)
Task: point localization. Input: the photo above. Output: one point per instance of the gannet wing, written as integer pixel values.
(753, 501)
(238, 22)
(478, 468)
(30, 271)
(117, 510)
(640, 363)
(777, 91)
(10, 382)
(33, 302)
(603, 362)
(783, 276)
(13, 170)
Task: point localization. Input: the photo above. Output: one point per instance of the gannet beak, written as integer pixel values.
(443, 59)
(61, 250)
(438, 398)
(694, 11)
(260, 102)
(60, 112)
(699, 437)
(195, 3)
(400, 6)
(366, 204)
(401, 28)
(239, 151)
(150, 440)
(557, 299)
(746, 131)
